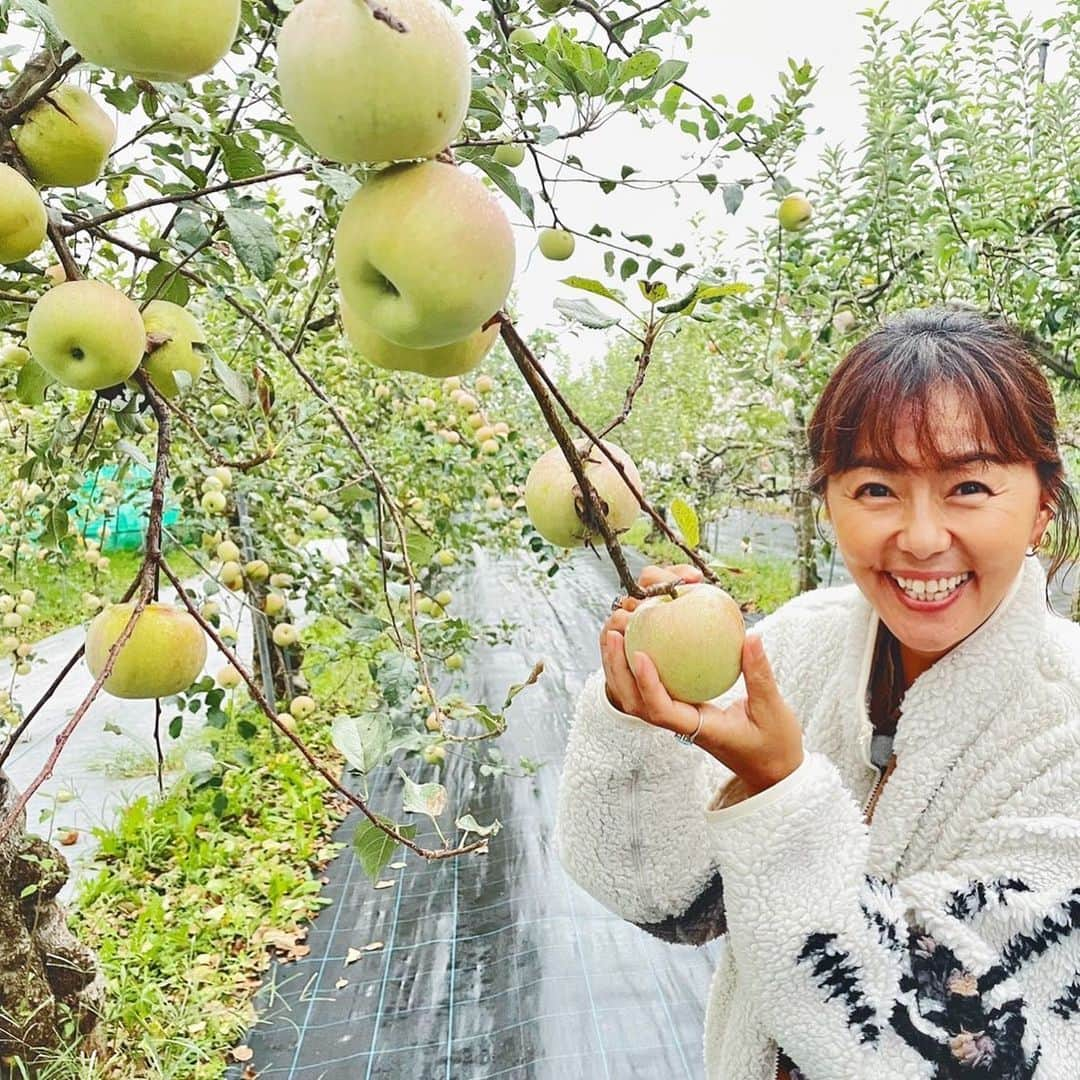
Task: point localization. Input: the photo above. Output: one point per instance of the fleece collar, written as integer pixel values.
(947, 708)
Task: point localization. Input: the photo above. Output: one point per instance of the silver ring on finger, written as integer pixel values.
(616, 603)
(689, 739)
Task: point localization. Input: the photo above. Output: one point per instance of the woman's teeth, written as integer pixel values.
(930, 590)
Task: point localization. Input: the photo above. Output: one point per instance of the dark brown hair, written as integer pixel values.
(988, 362)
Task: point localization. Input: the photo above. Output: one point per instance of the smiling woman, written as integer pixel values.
(900, 910)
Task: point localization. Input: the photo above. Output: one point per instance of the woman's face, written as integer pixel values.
(973, 520)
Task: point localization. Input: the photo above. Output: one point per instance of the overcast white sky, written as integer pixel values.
(739, 50)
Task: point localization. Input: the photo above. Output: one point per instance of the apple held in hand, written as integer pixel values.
(23, 219)
(552, 498)
(358, 90)
(795, 213)
(424, 254)
(158, 40)
(695, 640)
(65, 138)
(164, 655)
(454, 359)
(86, 334)
(184, 351)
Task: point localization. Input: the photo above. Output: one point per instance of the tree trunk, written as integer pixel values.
(802, 504)
(46, 975)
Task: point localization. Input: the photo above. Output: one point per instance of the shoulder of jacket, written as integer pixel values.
(1060, 657)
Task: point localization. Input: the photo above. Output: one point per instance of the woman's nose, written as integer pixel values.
(923, 534)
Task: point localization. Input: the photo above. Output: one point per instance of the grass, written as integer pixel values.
(59, 591)
(757, 582)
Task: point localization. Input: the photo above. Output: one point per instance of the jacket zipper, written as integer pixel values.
(869, 799)
(635, 843)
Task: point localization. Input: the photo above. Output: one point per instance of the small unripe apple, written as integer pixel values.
(489, 446)
(7, 603)
(14, 356)
(502, 428)
(795, 213)
(224, 474)
(64, 795)
(557, 244)
(509, 154)
(164, 655)
(445, 557)
(427, 403)
(432, 722)
(449, 436)
(302, 706)
(475, 420)
(91, 602)
(210, 610)
(23, 609)
(433, 755)
(210, 542)
(493, 502)
(257, 570)
(319, 514)
(13, 620)
(444, 598)
(522, 35)
(285, 634)
(228, 633)
(211, 483)
(455, 662)
(451, 383)
(273, 603)
(214, 502)
(425, 605)
(695, 640)
(219, 410)
(227, 551)
(23, 218)
(843, 322)
(381, 391)
(280, 581)
(228, 678)
(231, 575)
(184, 351)
(103, 565)
(484, 384)
(467, 403)
(287, 721)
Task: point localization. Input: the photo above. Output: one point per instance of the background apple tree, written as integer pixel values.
(250, 472)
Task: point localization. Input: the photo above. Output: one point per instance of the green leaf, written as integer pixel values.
(235, 385)
(733, 197)
(468, 824)
(586, 313)
(374, 848)
(240, 161)
(687, 520)
(641, 65)
(362, 740)
(253, 241)
(628, 268)
(507, 183)
(592, 286)
(163, 282)
(32, 382)
(428, 799)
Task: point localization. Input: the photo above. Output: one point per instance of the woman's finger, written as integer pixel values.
(619, 676)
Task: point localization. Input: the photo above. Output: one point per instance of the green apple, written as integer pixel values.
(424, 254)
(231, 575)
(510, 154)
(227, 551)
(320, 514)
(183, 351)
(489, 446)
(552, 499)
(65, 138)
(457, 357)
(445, 557)
(257, 570)
(280, 581)
(484, 384)
(432, 721)
(158, 40)
(502, 428)
(556, 244)
(450, 436)
(455, 662)
(483, 434)
(164, 655)
(493, 502)
(695, 640)
(451, 384)
(228, 678)
(219, 410)
(358, 90)
(444, 598)
(843, 322)
(433, 755)
(86, 335)
(522, 36)
(214, 502)
(224, 474)
(475, 420)
(302, 706)
(285, 634)
(273, 603)
(23, 219)
(795, 213)
(14, 356)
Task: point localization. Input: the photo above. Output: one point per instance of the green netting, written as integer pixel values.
(123, 528)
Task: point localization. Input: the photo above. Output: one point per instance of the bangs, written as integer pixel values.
(910, 383)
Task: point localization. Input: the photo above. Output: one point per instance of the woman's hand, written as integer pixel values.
(621, 687)
(758, 737)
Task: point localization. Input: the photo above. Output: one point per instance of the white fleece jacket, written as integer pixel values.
(940, 941)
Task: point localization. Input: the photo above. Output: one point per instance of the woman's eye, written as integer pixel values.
(865, 489)
(883, 490)
(974, 484)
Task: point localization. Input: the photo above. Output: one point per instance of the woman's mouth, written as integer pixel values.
(920, 595)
